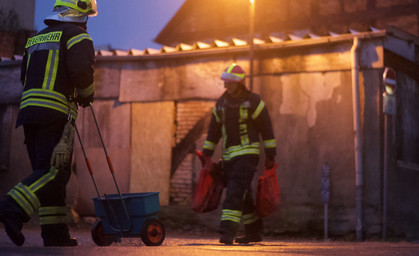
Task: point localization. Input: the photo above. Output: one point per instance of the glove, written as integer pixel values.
(207, 163)
(85, 101)
(269, 162)
(62, 152)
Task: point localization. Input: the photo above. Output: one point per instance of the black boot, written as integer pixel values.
(57, 235)
(13, 217)
(253, 233)
(249, 238)
(228, 230)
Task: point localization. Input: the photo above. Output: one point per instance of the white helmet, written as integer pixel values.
(73, 10)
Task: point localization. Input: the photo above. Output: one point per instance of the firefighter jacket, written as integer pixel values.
(58, 63)
(239, 122)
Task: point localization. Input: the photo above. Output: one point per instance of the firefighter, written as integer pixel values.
(239, 117)
(57, 66)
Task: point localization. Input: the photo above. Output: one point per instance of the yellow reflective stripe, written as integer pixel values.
(230, 68)
(231, 215)
(55, 100)
(244, 139)
(209, 145)
(44, 103)
(269, 143)
(27, 65)
(243, 128)
(52, 210)
(250, 218)
(52, 220)
(258, 110)
(25, 198)
(44, 179)
(231, 152)
(243, 113)
(214, 112)
(45, 94)
(52, 215)
(30, 195)
(74, 40)
(85, 91)
(22, 202)
(51, 70)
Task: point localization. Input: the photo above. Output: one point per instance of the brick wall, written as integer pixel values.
(7, 43)
(13, 43)
(181, 183)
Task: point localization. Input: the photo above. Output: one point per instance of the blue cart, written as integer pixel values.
(135, 215)
(124, 215)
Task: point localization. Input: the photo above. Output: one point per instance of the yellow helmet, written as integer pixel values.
(88, 7)
(73, 10)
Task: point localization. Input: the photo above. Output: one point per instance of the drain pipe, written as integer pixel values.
(357, 135)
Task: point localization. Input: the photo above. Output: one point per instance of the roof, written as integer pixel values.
(238, 45)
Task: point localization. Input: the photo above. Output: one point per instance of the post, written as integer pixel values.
(251, 36)
(326, 197)
(356, 104)
(385, 175)
(389, 110)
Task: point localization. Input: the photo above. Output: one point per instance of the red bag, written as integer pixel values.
(267, 194)
(209, 188)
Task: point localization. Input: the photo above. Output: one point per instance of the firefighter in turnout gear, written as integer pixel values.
(58, 65)
(239, 117)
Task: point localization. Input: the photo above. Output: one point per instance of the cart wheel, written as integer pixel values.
(99, 236)
(153, 232)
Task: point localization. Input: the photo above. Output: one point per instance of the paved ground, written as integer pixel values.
(194, 242)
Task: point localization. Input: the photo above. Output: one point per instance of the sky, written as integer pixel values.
(122, 24)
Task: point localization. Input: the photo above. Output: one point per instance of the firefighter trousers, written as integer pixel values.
(44, 191)
(239, 203)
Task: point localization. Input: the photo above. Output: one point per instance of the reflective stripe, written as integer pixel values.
(243, 112)
(214, 112)
(25, 198)
(44, 46)
(231, 215)
(27, 65)
(30, 195)
(86, 91)
(45, 94)
(47, 99)
(44, 103)
(233, 77)
(234, 151)
(52, 220)
(52, 215)
(74, 40)
(244, 139)
(69, 1)
(269, 143)
(51, 70)
(51, 210)
(258, 110)
(44, 179)
(209, 145)
(250, 218)
(26, 206)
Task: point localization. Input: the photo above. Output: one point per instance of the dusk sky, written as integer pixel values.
(124, 24)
